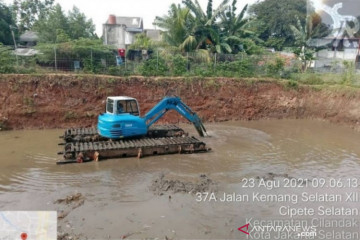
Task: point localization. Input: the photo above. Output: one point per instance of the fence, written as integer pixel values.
(163, 63)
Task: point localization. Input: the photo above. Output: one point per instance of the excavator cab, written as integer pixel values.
(121, 119)
(122, 105)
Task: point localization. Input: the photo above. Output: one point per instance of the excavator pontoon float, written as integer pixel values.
(121, 132)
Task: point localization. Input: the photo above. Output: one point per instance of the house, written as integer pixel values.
(120, 31)
(27, 40)
(336, 51)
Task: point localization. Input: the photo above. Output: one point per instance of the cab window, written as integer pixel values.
(132, 107)
(110, 106)
(127, 106)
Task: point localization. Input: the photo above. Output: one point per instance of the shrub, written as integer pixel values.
(292, 84)
(154, 67)
(179, 65)
(7, 60)
(348, 76)
(239, 68)
(274, 68)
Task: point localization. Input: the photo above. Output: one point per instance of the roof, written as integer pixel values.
(129, 22)
(116, 98)
(29, 36)
(26, 52)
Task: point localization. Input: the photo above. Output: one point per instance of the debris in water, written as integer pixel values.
(271, 176)
(67, 236)
(71, 198)
(72, 202)
(162, 185)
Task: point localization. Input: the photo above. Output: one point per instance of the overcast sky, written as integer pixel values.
(99, 10)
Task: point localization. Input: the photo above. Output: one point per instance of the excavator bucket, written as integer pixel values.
(200, 129)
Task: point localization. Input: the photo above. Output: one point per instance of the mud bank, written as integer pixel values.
(61, 101)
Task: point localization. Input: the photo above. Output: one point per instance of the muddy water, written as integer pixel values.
(118, 201)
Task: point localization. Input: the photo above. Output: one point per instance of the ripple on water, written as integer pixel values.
(301, 149)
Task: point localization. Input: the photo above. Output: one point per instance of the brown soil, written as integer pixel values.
(62, 101)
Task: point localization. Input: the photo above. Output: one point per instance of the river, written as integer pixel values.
(118, 201)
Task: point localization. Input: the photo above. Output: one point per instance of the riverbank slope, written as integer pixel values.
(63, 100)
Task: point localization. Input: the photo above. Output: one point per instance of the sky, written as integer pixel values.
(99, 10)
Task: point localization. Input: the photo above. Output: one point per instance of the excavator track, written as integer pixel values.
(78, 152)
(91, 134)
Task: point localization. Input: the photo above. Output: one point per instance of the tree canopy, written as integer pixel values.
(6, 21)
(79, 25)
(220, 29)
(177, 24)
(274, 18)
(59, 27)
(28, 12)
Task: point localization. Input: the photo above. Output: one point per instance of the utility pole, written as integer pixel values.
(55, 58)
(157, 62)
(91, 57)
(215, 61)
(13, 37)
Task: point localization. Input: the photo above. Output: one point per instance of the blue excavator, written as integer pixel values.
(122, 117)
(122, 132)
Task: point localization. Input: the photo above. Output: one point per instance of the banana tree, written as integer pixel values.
(303, 36)
(234, 28)
(205, 32)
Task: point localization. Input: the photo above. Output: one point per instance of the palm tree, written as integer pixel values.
(176, 23)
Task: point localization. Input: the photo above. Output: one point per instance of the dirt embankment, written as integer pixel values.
(61, 101)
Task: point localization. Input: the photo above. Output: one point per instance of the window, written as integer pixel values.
(127, 106)
(132, 107)
(110, 105)
(121, 107)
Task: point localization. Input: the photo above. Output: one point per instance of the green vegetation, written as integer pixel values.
(50, 21)
(26, 13)
(7, 60)
(219, 41)
(6, 21)
(273, 18)
(219, 30)
(56, 27)
(154, 67)
(178, 65)
(275, 67)
(88, 52)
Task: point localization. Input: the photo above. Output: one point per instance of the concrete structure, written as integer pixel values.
(338, 51)
(120, 31)
(153, 34)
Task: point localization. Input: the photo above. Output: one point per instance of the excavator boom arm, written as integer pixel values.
(174, 103)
